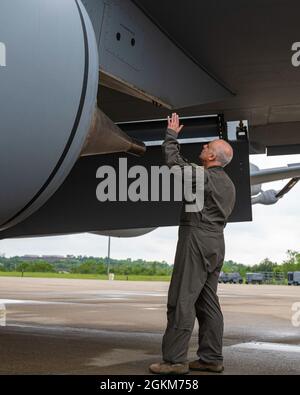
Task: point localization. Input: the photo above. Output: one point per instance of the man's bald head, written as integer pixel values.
(216, 153)
(223, 151)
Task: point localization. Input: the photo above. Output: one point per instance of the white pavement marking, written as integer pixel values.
(103, 295)
(261, 346)
(13, 301)
(116, 356)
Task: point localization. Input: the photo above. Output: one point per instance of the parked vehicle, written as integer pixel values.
(254, 278)
(223, 278)
(231, 278)
(294, 278)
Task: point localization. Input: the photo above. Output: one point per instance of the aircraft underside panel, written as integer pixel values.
(134, 52)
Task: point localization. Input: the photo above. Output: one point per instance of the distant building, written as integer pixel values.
(53, 258)
(47, 258)
(29, 257)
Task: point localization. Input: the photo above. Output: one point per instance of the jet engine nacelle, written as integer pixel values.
(125, 233)
(48, 93)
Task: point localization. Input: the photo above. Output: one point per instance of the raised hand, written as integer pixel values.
(173, 123)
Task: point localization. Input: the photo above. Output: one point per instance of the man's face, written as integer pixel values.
(205, 154)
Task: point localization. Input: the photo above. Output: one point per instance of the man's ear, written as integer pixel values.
(212, 156)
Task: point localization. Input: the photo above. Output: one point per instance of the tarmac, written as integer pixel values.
(58, 326)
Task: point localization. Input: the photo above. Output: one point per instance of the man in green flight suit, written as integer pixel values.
(198, 262)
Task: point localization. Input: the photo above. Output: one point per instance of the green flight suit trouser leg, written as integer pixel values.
(193, 293)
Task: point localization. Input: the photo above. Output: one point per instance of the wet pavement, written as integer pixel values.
(57, 326)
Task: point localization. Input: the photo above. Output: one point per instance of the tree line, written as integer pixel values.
(87, 265)
(92, 265)
(290, 264)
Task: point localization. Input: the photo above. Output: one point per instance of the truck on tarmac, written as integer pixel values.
(255, 278)
(230, 278)
(294, 278)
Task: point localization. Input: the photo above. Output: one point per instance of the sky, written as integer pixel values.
(274, 230)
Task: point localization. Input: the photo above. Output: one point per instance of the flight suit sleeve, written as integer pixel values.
(171, 150)
(173, 157)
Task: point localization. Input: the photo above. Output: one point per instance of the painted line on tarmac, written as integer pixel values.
(15, 301)
(262, 346)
